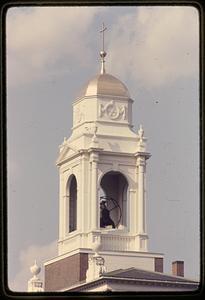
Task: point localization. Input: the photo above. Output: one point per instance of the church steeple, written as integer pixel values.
(104, 158)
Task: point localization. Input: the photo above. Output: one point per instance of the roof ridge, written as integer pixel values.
(165, 275)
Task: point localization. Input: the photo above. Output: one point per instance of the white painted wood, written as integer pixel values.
(102, 141)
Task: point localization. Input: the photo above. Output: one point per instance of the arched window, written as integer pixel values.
(114, 186)
(72, 198)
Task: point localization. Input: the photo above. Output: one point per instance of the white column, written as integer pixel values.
(131, 215)
(141, 199)
(82, 198)
(89, 198)
(65, 215)
(94, 196)
(145, 199)
(61, 208)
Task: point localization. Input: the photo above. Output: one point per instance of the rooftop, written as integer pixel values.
(137, 277)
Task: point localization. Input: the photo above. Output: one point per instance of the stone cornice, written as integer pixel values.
(112, 253)
(99, 96)
(145, 154)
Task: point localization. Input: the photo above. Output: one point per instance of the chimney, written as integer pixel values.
(178, 268)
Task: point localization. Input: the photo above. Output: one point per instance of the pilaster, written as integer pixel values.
(141, 200)
(141, 241)
(84, 191)
(62, 208)
(94, 158)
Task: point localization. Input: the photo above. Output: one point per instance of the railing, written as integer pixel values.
(109, 242)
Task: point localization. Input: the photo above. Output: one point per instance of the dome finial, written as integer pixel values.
(102, 52)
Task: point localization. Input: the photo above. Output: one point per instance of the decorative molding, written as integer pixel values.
(94, 156)
(140, 254)
(113, 111)
(141, 161)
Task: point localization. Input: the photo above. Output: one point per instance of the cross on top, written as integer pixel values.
(102, 31)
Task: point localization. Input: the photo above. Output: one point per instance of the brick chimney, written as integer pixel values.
(178, 268)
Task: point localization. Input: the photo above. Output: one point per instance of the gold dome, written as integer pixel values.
(104, 84)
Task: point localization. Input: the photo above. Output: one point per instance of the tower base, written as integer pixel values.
(69, 269)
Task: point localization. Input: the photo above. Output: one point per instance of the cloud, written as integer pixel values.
(27, 257)
(41, 40)
(156, 45)
(152, 45)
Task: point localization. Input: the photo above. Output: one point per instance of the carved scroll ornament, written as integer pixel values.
(113, 111)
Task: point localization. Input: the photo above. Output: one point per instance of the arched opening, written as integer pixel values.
(114, 187)
(72, 204)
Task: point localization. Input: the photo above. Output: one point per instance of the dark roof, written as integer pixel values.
(138, 276)
(133, 273)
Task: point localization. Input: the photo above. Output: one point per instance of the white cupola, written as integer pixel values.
(103, 159)
(102, 169)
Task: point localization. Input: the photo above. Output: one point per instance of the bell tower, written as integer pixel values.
(102, 177)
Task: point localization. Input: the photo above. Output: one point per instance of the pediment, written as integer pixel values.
(65, 153)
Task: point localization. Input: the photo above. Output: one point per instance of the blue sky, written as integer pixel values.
(51, 53)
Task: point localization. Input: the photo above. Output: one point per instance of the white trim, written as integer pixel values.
(150, 280)
(101, 96)
(110, 253)
(97, 282)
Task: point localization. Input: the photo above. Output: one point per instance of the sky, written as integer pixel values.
(51, 53)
